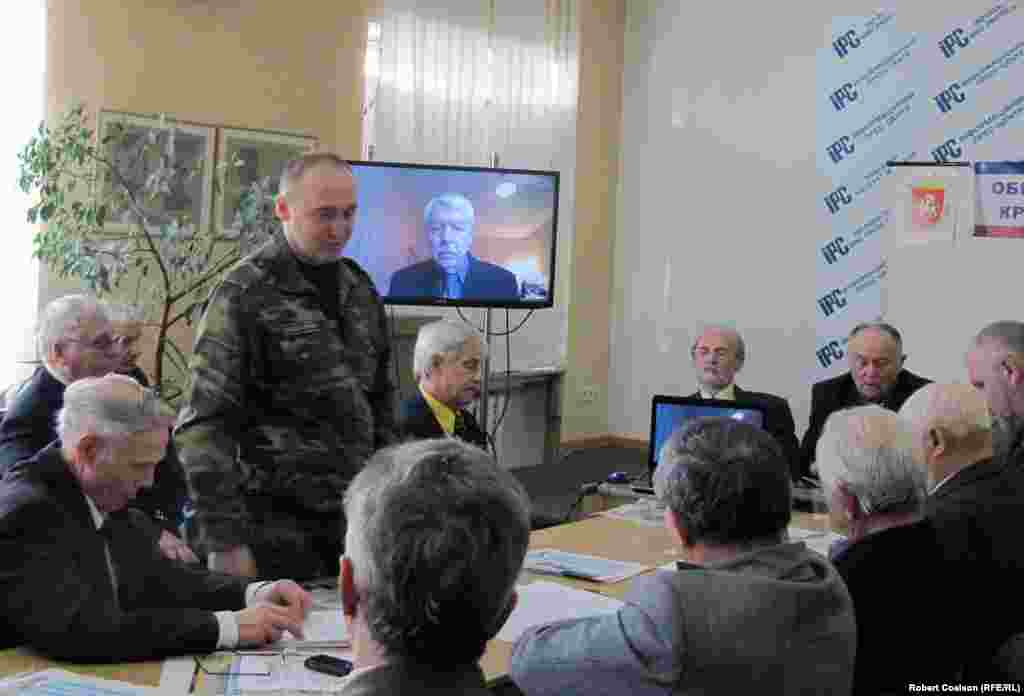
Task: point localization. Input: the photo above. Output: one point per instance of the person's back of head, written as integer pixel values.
(867, 470)
(727, 484)
(951, 428)
(436, 537)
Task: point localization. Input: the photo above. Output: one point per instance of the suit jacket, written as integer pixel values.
(778, 620)
(55, 589)
(778, 420)
(484, 281)
(831, 395)
(417, 421)
(407, 679)
(30, 425)
(908, 624)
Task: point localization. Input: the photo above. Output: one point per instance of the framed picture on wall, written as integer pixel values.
(148, 149)
(248, 157)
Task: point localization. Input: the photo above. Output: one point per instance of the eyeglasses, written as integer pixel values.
(231, 673)
(103, 342)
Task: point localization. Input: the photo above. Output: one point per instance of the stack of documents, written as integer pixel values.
(581, 567)
(323, 629)
(543, 602)
(57, 682)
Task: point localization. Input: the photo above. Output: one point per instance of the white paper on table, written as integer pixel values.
(647, 513)
(176, 675)
(323, 628)
(58, 682)
(287, 677)
(581, 566)
(543, 602)
(818, 540)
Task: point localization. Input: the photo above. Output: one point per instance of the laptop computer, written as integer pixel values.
(669, 413)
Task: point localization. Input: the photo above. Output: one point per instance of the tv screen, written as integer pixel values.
(456, 236)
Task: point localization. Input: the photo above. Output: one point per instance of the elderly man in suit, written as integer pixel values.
(746, 612)
(446, 362)
(436, 537)
(876, 376)
(453, 272)
(718, 354)
(76, 339)
(77, 584)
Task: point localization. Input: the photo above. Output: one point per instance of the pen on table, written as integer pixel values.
(551, 569)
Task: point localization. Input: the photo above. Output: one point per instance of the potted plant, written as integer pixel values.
(107, 213)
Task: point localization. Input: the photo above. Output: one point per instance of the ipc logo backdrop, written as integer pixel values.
(936, 86)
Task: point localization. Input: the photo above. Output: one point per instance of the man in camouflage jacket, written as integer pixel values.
(291, 387)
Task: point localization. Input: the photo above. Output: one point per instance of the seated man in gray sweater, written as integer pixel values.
(746, 612)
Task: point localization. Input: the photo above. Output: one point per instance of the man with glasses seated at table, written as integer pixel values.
(437, 533)
(77, 584)
(446, 362)
(76, 339)
(745, 613)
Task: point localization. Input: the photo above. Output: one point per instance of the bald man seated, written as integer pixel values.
(79, 585)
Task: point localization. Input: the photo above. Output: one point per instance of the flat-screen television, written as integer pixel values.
(456, 236)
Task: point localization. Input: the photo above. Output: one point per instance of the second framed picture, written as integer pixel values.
(251, 156)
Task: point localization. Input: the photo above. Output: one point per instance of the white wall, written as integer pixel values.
(714, 222)
(719, 190)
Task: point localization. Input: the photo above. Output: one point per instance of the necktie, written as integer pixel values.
(459, 429)
(452, 286)
(105, 532)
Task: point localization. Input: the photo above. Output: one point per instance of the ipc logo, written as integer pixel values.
(947, 151)
(845, 42)
(953, 41)
(837, 199)
(945, 99)
(834, 249)
(829, 353)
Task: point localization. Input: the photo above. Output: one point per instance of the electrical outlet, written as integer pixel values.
(589, 394)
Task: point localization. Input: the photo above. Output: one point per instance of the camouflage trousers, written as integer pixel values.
(290, 542)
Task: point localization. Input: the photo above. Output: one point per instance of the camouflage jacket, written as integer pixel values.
(283, 402)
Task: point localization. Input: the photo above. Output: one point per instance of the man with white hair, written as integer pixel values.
(746, 612)
(446, 362)
(436, 537)
(453, 272)
(76, 339)
(718, 354)
(894, 561)
(77, 584)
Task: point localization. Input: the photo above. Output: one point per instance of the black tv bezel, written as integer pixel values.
(498, 304)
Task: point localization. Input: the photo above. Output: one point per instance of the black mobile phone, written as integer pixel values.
(326, 664)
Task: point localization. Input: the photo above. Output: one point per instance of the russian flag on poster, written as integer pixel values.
(999, 199)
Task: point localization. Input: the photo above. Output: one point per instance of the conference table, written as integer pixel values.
(596, 535)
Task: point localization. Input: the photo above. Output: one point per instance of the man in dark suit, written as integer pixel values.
(718, 354)
(446, 362)
(78, 585)
(436, 538)
(876, 376)
(453, 272)
(76, 339)
(995, 365)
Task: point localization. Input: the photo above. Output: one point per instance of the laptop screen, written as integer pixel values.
(669, 413)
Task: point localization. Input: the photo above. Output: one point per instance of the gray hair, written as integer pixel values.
(883, 327)
(437, 533)
(111, 406)
(726, 482)
(440, 338)
(60, 319)
(869, 450)
(295, 169)
(741, 347)
(1008, 334)
(449, 201)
